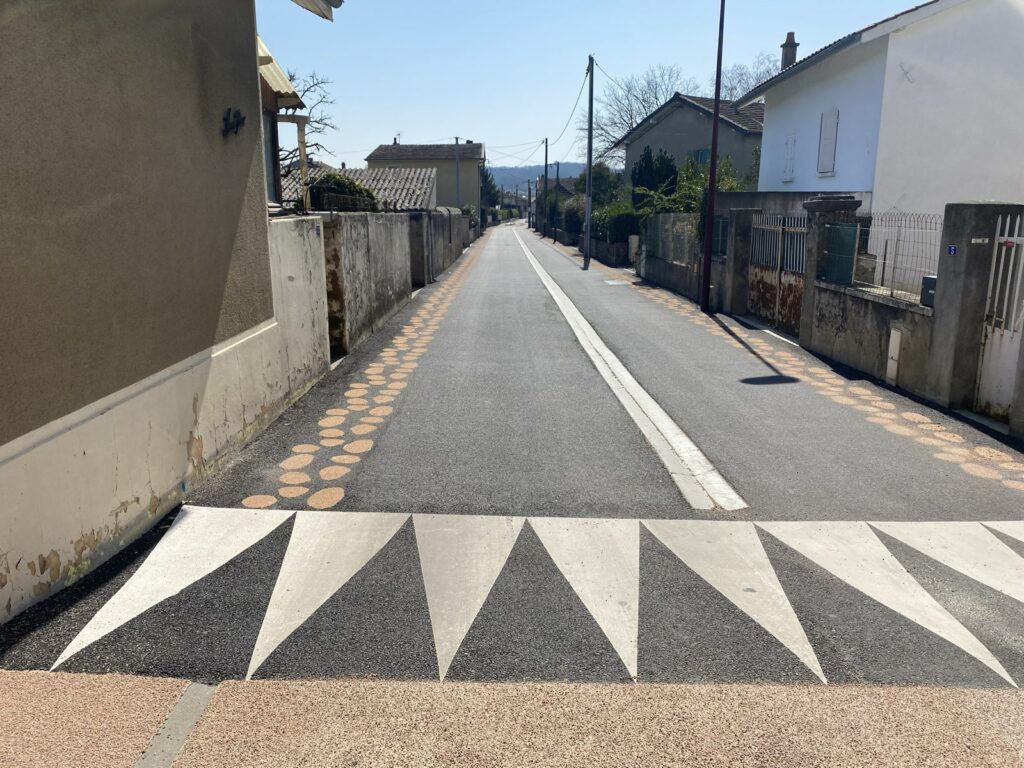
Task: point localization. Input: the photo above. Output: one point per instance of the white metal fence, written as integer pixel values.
(776, 235)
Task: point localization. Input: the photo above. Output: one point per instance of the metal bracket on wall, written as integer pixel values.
(233, 120)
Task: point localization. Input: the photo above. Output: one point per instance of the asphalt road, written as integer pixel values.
(527, 474)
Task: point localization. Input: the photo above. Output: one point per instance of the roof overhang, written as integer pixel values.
(322, 8)
(271, 73)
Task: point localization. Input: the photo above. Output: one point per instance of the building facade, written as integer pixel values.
(459, 167)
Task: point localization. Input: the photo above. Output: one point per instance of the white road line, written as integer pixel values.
(695, 476)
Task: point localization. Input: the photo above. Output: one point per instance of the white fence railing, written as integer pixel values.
(774, 236)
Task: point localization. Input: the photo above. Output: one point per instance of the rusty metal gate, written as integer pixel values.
(1004, 321)
(775, 276)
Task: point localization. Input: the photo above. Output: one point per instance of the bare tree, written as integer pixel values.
(740, 78)
(625, 103)
(313, 90)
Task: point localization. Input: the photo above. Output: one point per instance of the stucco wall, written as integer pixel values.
(469, 179)
(80, 488)
(953, 123)
(368, 273)
(850, 81)
(684, 129)
(134, 234)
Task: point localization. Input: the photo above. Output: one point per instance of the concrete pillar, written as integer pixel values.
(737, 260)
(961, 292)
(821, 212)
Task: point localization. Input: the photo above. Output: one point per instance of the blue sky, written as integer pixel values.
(508, 73)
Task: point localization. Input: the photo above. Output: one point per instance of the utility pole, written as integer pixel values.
(458, 192)
(544, 228)
(517, 199)
(709, 218)
(558, 185)
(529, 205)
(590, 165)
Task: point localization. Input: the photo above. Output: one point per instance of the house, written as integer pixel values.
(459, 167)
(682, 128)
(914, 109)
(154, 317)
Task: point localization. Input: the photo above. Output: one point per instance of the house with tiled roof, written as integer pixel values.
(682, 128)
(459, 167)
(396, 189)
(917, 109)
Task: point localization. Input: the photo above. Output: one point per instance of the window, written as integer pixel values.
(787, 168)
(827, 143)
(699, 156)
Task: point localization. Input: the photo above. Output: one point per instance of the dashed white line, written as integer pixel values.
(694, 474)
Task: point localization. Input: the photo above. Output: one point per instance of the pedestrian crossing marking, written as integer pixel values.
(199, 542)
(730, 557)
(851, 552)
(600, 558)
(460, 557)
(968, 548)
(326, 549)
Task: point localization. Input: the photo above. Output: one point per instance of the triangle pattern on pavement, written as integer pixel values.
(600, 558)
(968, 548)
(1012, 528)
(461, 557)
(199, 542)
(730, 557)
(851, 552)
(325, 551)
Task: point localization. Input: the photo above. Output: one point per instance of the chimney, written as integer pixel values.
(395, 142)
(343, 166)
(789, 50)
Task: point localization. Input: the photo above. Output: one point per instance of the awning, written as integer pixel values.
(276, 79)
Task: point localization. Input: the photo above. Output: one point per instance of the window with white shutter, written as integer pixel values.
(790, 158)
(827, 143)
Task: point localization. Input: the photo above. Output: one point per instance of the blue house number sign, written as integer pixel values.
(951, 250)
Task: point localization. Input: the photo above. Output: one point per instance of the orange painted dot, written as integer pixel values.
(296, 462)
(359, 446)
(381, 399)
(390, 392)
(981, 471)
(333, 473)
(866, 408)
(1013, 466)
(305, 448)
(326, 498)
(885, 406)
(363, 429)
(933, 442)
(918, 418)
(992, 454)
(345, 459)
(1017, 485)
(332, 421)
(356, 392)
(331, 442)
(358, 407)
(398, 385)
(294, 478)
(293, 491)
(899, 429)
(409, 366)
(332, 432)
(843, 400)
(337, 412)
(372, 419)
(858, 390)
(384, 410)
(258, 502)
(930, 427)
(357, 401)
(949, 437)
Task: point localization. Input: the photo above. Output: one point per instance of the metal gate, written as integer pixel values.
(775, 277)
(1004, 321)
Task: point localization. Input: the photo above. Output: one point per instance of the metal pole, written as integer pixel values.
(544, 228)
(529, 205)
(458, 191)
(558, 185)
(590, 166)
(709, 219)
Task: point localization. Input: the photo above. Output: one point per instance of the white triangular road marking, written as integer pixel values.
(730, 557)
(850, 551)
(1012, 528)
(199, 542)
(600, 558)
(325, 551)
(461, 557)
(966, 547)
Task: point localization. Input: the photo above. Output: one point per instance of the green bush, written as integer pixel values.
(615, 223)
(337, 184)
(573, 216)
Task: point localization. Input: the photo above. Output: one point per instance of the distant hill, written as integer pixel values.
(509, 176)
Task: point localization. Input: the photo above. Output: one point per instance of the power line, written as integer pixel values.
(573, 113)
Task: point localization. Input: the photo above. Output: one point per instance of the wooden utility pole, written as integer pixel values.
(709, 218)
(590, 165)
(558, 185)
(529, 205)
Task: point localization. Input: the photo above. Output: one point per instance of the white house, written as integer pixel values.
(920, 109)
